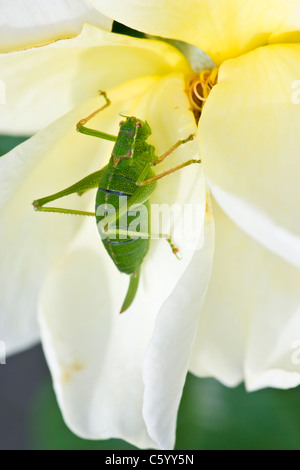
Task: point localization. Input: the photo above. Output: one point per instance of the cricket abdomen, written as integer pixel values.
(116, 187)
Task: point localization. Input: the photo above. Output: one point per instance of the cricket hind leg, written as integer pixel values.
(80, 127)
(174, 248)
(89, 182)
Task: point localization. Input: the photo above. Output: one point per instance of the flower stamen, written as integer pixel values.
(199, 89)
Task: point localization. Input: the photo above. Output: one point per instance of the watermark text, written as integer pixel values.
(296, 353)
(296, 93)
(176, 222)
(2, 92)
(2, 353)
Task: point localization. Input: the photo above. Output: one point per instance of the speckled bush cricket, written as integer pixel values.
(128, 174)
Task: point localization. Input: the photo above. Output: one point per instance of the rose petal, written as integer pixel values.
(27, 24)
(259, 226)
(50, 161)
(249, 136)
(251, 315)
(288, 30)
(167, 357)
(39, 89)
(96, 355)
(221, 29)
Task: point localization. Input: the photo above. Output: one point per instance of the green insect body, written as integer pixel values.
(128, 176)
(131, 158)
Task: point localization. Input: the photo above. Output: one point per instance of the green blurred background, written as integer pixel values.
(210, 416)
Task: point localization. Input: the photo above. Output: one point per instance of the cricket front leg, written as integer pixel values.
(93, 132)
(174, 147)
(166, 173)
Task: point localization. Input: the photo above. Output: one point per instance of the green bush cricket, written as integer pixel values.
(128, 175)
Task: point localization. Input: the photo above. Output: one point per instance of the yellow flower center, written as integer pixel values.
(199, 88)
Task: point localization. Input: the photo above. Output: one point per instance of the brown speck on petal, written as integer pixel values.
(69, 370)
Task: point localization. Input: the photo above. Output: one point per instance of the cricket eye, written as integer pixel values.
(121, 123)
(138, 124)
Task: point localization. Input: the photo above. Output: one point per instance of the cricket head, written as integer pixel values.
(131, 140)
(135, 127)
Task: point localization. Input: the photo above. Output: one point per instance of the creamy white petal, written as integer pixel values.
(222, 28)
(31, 241)
(249, 140)
(95, 355)
(167, 357)
(25, 23)
(251, 318)
(288, 30)
(44, 83)
(259, 226)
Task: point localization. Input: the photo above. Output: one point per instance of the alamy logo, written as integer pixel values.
(296, 93)
(2, 353)
(176, 222)
(2, 92)
(296, 353)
